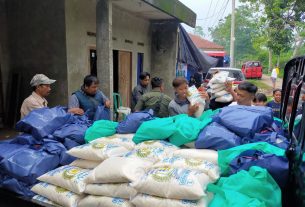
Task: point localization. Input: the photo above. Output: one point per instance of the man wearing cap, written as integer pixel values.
(41, 89)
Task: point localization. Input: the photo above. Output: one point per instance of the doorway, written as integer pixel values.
(92, 61)
(122, 75)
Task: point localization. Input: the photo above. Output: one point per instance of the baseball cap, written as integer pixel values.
(39, 79)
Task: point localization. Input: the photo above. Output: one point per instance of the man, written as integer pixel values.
(245, 93)
(88, 98)
(273, 77)
(41, 89)
(155, 99)
(140, 89)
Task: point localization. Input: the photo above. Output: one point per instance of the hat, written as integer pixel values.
(39, 79)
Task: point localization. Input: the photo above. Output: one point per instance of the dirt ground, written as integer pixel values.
(266, 79)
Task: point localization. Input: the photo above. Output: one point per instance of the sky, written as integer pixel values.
(209, 12)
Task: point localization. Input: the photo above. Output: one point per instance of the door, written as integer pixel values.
(124, 77)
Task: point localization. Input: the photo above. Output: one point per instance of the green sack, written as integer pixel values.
(101, 128)
(226, 156)
(208, 114)
(255, 187)
(155, 129)
(187, 131)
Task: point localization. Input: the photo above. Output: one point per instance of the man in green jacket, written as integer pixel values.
(155, 100)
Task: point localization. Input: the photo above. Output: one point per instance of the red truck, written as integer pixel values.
(252, 69)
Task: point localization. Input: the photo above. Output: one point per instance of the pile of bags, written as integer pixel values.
(218, 88)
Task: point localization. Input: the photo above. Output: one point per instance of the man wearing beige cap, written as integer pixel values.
(41, 89)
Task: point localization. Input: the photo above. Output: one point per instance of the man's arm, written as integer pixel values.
(74, 106)
(140, 104)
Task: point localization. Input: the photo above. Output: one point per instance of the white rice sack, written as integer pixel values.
(204, 166)
(225, 98)
(220, 93)
(168, 147)
(120, 190)
(118, 139)
(173, 183)
(190, 145)
(220, 77)
(102, 201)
(43, 200)
(57, 194)
(68, 177)
(204, 154)
(97, 151)
(218, 90)
(86, 164)
(217, 86)
(119, 170)
(144, 200)
(194, 97)
(151, 154)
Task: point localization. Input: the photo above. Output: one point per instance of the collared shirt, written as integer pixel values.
(34, 101)
(151, 99)
(137, 93)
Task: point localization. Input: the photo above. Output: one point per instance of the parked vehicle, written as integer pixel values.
(233, 73)
(252, 69)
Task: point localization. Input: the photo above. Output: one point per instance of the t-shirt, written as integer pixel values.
(274, 73)
(276, 107)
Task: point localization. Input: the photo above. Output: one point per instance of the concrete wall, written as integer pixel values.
(164, 52)
(80, 19)
(36, 31)
(126, 26)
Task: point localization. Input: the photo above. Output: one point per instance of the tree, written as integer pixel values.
(199, 31)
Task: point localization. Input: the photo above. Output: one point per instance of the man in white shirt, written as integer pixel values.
(273, 77)
(244, 95)
(41, 89)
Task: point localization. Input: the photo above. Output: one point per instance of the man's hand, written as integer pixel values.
(229, 87)
(107, 104)
(77, 111)
(203, 93)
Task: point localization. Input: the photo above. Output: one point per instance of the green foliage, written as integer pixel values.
(199, 31)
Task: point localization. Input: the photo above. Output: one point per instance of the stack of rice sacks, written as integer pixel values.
(218, 88)
(178, 180)
(68, 185)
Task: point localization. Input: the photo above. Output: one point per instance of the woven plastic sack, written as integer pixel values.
(204, 166)
(97, 151)
(151, 154)
(255, 187)
(85, 164)
(220, 77)
(101, 128)
(68, 177)
(57, 194)
(145, 200)
(119, 170)
(173, 183)
(216, 86)
(204, 154)
(43, 200)
(225, 157)
(194, 97)
(220, 93)
(120, 190)
(167, 146)
(92, 201)
(224, 98)
(156, 129)
(187, 129)
(117, 139)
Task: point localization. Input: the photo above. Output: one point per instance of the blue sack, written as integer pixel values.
(26, 164)
(245, 121)
(101, 113)
(74, 132)
(271, 137)
(277, 166)
(133, 121)
(12, 184)
(25, 139)
(43, 122)
(216, 137)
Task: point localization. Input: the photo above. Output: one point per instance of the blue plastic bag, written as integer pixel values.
(277, 166)
(101, 113)
(245, 121)
(271, 137)
(43, 122)
(74, 132)
(19, 187)
(25, 139)
(26, 164)
(133, 121)
(216, 137)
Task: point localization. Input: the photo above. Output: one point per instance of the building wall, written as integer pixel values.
(80, 19)
(164, 52)
(36, 32)
(126, 26)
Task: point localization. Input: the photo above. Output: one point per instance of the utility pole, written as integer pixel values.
(232, 35)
